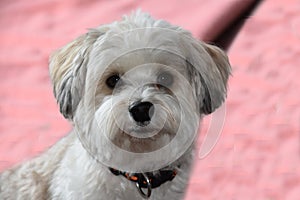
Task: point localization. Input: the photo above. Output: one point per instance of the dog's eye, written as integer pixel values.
(112, 81)
(165, 79)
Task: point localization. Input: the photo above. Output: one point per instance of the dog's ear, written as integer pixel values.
(210, 72)
(68, 72)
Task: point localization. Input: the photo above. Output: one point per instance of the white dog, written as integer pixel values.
(135, 91)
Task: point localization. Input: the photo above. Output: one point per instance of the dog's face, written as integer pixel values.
(136, 90)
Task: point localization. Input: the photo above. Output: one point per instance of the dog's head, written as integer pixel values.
(135, 90)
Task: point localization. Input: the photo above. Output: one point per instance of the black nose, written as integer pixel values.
(142, 112)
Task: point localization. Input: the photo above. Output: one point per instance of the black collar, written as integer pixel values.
(155, 180)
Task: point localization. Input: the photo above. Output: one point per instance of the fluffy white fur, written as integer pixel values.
(138, 48)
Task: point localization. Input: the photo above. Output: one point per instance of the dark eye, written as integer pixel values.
(112, 81)
(165, 79)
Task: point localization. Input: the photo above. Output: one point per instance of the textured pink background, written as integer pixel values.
(257, 155)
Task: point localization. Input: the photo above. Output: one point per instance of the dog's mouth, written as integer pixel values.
(135, 144)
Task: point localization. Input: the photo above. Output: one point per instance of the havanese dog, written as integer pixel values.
(135, 92)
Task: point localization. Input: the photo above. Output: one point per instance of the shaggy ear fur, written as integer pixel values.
(210, 76)
(68, 70)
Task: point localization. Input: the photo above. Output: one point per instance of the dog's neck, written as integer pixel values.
(148, 180)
